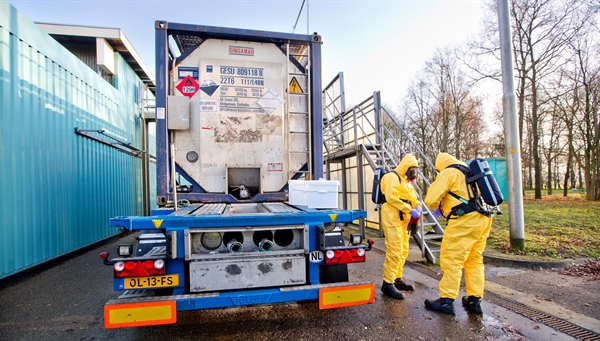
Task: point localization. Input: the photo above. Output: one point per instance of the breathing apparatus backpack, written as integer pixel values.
(484, 193)
(377, 196)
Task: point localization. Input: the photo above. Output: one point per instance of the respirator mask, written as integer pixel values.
(411, 174)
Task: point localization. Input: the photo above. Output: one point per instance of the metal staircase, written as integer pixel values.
(368, 132)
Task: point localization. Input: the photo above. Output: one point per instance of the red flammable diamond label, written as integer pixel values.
(188, 86)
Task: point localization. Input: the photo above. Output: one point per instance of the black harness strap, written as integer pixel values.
(471, 205)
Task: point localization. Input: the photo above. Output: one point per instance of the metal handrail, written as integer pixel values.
(410, 140)
(356, 122)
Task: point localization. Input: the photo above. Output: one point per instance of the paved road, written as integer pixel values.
(66, 302)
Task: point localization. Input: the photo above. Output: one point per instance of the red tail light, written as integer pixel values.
(139, 268)
(149, 264)
(345, 256)
(129, 266)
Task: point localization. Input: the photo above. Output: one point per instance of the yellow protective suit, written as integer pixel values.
(400, 199)
(464, 238)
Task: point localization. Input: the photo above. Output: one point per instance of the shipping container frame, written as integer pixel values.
(164, 59)
(332, 291)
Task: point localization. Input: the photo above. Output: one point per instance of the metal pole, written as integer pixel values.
(173, 176)
(145, 169)
(377, 114)
(511, 132)
(300, 12)
(361, 191)
(344, 184)
(307, 21)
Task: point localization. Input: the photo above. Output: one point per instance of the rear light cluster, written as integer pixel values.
(345, 256)
(140, 268)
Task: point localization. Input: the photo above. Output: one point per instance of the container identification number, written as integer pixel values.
(240, 87)
(234, 75)
(241, 71)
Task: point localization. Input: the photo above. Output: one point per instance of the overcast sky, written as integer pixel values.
(379, 45)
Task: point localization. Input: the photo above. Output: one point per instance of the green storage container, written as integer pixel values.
(498, 166)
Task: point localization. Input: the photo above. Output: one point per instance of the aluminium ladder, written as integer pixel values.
(298, 109)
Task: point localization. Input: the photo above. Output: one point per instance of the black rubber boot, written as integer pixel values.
(444, 305)
(401, 285)
(472, 304)
(390, 290)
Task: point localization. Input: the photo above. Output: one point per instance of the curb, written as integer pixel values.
(526, 264)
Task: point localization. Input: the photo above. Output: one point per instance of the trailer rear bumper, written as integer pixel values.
(146, 311)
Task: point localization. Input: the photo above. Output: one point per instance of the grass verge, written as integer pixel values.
(556, 227)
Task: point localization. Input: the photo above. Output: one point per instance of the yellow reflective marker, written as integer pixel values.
(295, 86)
(157, 223)
(333, 217)
(346, 296)
(139, 314)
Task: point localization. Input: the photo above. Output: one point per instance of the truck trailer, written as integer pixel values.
(244, 216)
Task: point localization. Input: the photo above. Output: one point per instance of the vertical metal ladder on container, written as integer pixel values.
(303, 57)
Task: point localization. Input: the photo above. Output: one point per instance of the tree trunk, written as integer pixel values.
(566, 182)
(569, 169)
(549, 182)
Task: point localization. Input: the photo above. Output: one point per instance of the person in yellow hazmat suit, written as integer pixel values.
(464, 239)
(400, 204)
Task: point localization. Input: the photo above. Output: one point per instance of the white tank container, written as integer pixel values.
(238, 123)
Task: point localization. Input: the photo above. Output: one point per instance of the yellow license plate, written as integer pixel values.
(151, 282)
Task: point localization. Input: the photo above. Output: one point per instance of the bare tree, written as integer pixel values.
(542, 31)
(566, 102)
(554, 145)
(441, 111)
(457, 113)
(547, 27)
(417, 108)
(588, 122)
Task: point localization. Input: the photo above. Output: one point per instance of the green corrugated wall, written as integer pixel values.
(58, 189)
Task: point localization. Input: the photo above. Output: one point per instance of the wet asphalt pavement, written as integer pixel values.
(66, 302)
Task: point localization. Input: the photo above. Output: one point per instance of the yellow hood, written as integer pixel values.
(444, 160)
(407, 161)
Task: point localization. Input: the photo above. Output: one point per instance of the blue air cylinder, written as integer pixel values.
(488, 187)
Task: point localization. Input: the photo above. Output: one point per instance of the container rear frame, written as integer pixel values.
(165, 60)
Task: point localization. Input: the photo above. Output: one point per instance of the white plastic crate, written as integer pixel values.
(314, 193)
(297, 192)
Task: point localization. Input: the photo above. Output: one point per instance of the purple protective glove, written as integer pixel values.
(437, 213)
(416, 212)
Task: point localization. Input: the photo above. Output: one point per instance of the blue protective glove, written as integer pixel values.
(437, 213)
(416, 212)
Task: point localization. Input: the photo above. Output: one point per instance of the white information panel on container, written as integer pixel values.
(238, 119)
